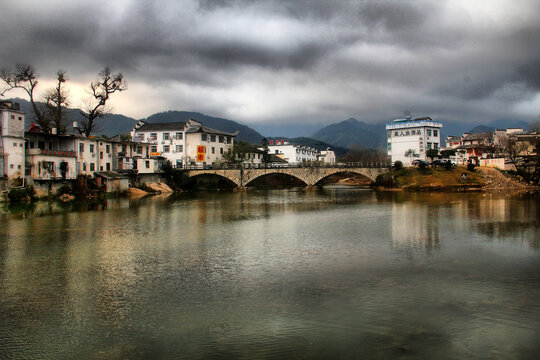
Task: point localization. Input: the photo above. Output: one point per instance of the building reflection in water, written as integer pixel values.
(415, 228)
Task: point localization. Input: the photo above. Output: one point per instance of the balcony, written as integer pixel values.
(60, 153)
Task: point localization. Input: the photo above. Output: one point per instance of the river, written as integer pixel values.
(342, 273)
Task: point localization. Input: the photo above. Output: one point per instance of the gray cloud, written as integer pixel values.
(301, 61)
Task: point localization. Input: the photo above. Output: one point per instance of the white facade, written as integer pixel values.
(327, 156)
(418, 135)
(293, 154)
(12, 147)
(184, 143)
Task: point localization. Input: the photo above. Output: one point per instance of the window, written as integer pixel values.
(91, 148)
(20, 144)
(11, 165)
(389, 146)
(101, 155)
(436, 146)
(139, 150)
(20, 117)
(108, 149)
(18, 166)
(166, 148)
(204, 137)
(179, 148)
(81, 148)
(14, 144)
(108, 166)
(389, 134)
(221, 151)
(165, 136)
(213, 138)
(221, 139)
(101, 168)
(147, 164)
(428, 132)
(31, 144)
(13, 116)
(84, 166)
(92, 166)
(213, 150)
(153, 136)
(178, 136)
(153, 148)
(428, 145)
(124, 148)
(228, 140)
(435, 133)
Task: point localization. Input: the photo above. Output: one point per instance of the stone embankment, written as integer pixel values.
(495, 180)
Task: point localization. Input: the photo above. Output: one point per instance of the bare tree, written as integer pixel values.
(362, 154)
(56, 99)
(24, 77)
(101, 90)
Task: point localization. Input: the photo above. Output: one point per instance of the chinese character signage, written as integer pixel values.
(201, 151)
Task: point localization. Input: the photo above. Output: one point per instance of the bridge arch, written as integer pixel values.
(353, 172)
(224, 176)
(258, 177)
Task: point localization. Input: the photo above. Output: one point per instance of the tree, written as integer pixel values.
(411, 153)
(101, 91)
(24, 77)
(239, 152)
(362, 154)
(266, 155)
(432, 153)
(515, 152)
(56, 99)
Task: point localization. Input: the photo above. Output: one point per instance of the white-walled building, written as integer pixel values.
(12, 147)
(184, 143)
(417, 135)
(292, 153)
(327, 156)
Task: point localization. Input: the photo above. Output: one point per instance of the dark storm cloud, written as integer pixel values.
(372, 58)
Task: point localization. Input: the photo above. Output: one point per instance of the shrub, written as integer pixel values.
(448, 165)
(398, 165)
(22, 194)
(385, 180)
(422, 165)
(65, 189)
(470, 167)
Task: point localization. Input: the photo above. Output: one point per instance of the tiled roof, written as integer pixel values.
(163, 126)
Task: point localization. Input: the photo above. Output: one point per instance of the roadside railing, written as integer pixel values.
(369, 164)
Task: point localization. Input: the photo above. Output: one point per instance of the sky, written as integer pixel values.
(296, 64)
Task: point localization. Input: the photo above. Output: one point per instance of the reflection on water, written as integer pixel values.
(341, 273)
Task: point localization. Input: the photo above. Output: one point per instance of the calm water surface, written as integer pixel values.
(338, 274)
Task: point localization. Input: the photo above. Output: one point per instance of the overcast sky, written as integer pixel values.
(290, 62)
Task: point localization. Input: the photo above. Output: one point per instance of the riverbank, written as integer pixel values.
(457, 178)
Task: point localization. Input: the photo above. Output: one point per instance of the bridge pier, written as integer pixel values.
(310, 187)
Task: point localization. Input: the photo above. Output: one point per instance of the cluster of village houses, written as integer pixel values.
(36, 157)
(410, 139)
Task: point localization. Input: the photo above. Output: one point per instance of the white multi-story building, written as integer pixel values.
(327, 156)
(12, 146)
(292, 153)
(184, 143)
(412, 137)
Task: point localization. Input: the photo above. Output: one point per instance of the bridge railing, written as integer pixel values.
(368, 164)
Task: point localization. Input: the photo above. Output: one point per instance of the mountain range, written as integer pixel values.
(341, 136)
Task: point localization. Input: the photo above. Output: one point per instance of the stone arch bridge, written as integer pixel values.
(241, 176)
